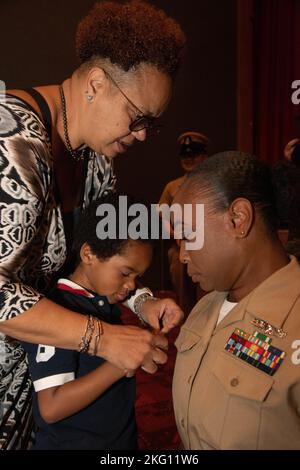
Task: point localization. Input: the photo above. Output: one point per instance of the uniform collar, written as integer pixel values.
(271, 301)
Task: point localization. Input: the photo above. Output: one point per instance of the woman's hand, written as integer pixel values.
(127, 347)
(130, 347)
(162, 314)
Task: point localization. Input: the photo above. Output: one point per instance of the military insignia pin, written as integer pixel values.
(268, 329)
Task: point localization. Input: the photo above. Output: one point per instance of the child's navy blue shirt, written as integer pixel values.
(109, 422)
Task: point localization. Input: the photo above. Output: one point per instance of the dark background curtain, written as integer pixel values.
(38, 48)
(276, 65)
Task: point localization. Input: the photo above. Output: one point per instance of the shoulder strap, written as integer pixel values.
(45, 110)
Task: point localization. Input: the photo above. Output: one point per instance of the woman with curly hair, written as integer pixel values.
(57, 144)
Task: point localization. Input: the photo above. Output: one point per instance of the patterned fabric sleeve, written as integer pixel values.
(100, 178)
(110, 179)
(19, 212)
(24, 179)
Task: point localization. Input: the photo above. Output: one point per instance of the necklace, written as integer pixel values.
(74, 153)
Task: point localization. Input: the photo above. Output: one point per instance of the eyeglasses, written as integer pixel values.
(142, 121)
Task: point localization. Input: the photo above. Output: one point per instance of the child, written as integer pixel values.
(82, 401)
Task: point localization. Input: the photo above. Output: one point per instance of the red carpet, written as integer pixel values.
(154, 407)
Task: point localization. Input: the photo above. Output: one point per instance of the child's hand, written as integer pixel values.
(162, 314)
(130, 347)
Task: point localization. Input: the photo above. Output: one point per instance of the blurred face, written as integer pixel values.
(115, 277)
(214, 266)
(106, 123)
(191, 162)
(288, 149)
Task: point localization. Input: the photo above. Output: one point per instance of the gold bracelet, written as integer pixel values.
(96, 338)
(88, 334)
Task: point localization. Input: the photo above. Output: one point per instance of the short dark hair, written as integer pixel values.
(85, 231)
(230, 175)
(129, 34)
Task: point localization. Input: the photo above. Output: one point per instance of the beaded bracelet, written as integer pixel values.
(88, 334)
(88, 338)
(139, 301)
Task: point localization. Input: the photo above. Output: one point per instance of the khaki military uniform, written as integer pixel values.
(223, 402)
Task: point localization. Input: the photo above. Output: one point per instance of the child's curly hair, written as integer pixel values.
(129, 34)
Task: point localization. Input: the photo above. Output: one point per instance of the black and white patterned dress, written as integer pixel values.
(32, 245)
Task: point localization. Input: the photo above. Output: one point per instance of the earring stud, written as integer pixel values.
(89, 97)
